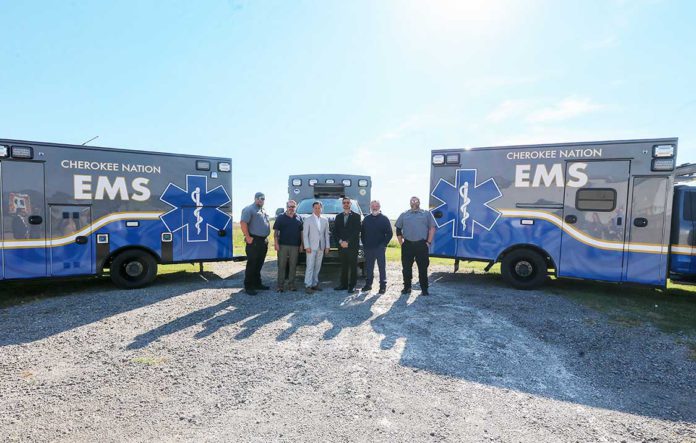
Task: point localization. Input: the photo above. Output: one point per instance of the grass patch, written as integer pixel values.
(672, 310)
(149, 361)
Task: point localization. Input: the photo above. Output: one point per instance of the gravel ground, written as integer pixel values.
(195, 358)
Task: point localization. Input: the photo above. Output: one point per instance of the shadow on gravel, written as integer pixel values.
(70, 304)
(477, 329)
(251, 313)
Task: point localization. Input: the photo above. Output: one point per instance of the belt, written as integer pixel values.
(414, 241)
(257, 236)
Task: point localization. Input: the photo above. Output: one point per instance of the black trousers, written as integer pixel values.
(349, 266)
(418, 251)
(256, 254)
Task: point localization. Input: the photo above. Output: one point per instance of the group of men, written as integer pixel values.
(292, 235)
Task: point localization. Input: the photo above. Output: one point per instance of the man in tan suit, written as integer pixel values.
(315, 234)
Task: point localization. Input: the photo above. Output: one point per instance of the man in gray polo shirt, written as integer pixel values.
(256, 228)
(415, 229)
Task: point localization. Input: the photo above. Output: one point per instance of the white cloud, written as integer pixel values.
(507, 109)
(565, 109)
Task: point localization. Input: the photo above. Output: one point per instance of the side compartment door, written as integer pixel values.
(24, 220)
(71, 243)
(594, 220)
(646, 261)
(206, 233)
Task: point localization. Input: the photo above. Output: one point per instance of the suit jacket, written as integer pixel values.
(313, 237)
(350, 231)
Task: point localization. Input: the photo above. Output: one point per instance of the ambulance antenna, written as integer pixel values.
(91, 139)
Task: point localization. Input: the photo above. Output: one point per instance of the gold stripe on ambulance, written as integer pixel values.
(85, 231)
(650, 248)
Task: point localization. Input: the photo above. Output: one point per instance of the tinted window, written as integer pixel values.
(331, 206)
(689, 206)
(602, 200)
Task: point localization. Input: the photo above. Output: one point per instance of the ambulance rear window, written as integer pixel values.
(689, 203)
(596, 199)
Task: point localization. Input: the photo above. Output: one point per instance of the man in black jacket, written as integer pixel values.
(376, 234)
(347, 232)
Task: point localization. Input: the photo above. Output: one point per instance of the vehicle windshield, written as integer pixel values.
(331, 206)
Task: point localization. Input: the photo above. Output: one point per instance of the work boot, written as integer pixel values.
(406, 290)
(382, 289)
(366, 288)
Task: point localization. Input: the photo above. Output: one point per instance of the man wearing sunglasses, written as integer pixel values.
(287, 233)
(256, 229)
(347, 232)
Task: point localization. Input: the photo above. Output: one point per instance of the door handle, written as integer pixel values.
(640, 222)
(437, 214)
(570, 219)
(619, 220)
(35, 220)
(81, 240)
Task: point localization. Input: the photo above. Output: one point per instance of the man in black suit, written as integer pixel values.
(347, 232)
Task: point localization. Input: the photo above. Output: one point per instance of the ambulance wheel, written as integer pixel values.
(524, 269)
(133, 269)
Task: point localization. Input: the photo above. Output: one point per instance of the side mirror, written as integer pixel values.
(279, 211)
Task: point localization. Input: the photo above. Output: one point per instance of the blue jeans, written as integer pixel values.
(372, 255)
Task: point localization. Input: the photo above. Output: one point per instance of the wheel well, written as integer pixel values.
(107, 262)
(549, 261)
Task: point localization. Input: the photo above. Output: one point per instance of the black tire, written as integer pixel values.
(524, 269)
(133, 269)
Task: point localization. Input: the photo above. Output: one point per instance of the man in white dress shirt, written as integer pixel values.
(316, 241)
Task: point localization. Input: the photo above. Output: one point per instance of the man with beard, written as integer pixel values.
(376, 233)
(415, 229)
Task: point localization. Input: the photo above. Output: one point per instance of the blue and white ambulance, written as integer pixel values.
(70, 210)
(609, 211)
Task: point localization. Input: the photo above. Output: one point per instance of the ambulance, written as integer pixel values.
(329, 189)
(70, 210)
(616, 211)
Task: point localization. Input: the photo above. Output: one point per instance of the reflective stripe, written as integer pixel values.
(649, 248)
(87, 230)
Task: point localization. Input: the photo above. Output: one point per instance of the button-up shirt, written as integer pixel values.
(414, 225)
(257, 220)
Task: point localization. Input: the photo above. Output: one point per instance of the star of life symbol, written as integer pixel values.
(465, 203)
(195, 208)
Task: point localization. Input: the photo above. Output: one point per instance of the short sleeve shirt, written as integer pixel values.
(289, 229)
(415, 225)
(257, 219)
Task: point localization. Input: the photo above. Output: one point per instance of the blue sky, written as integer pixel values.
(365, 87)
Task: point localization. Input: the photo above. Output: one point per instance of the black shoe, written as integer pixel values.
(316, 288)
(406, 291)
(263, 287)
(351, 289)
(251, 291)
(340, 288)
(366, 288)
(382, 290)
(425, 292)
